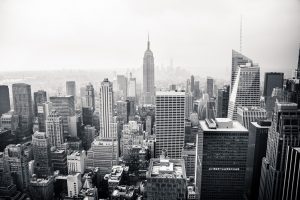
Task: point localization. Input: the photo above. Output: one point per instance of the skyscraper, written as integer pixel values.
(197, 93)
(122, 86)
(169, 128)
(210, 87)
(131, 87)
(245, 90)
(39, 97)
(284, 132)
(192, 83)
(237, 60)
(148, 76)
(88, 96)
(71, 88)
(65, 107)
(23, 106)
(4, 99)
(297, 71)
(43, 110)
(221, 159)
(54, 129)
(222, 101)
(257, 146)
(41, 154)
(246, 115)
(188, 104)
(106, 109)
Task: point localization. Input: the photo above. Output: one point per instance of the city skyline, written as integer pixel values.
(87, 36)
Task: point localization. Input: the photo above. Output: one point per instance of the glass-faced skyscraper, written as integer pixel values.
(148, 77)
(4, 99)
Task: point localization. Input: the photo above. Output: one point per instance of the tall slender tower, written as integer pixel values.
(54, 129)
(148, 76)
(4, 99)
(106, 109)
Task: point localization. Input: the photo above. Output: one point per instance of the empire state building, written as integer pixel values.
(148, 77)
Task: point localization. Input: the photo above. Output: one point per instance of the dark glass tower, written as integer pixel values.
(39, 97)
(4, 99)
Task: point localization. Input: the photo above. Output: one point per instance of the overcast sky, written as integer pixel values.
(195, 34)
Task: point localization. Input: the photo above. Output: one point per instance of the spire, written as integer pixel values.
(148, 44)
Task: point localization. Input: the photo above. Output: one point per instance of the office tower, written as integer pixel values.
(39, 97)
(132, 107)
(169, 119)
(245, 90)
(87, 115)
(237, 60)
(166, 179)
(148, 76)
(17, 161)
(76, 162)
(210, 87)
(257, 146)
(122, 86)
(103, 154)
(192, 83)
(284, 132)
(54, 129)
(88, 135)
(42, 188)
(292, 174)
(189, 157)
(149, 124)
(10, 121)
(43, 110)
(106, 109)
(59, 160)
(65, 107)
(197, 93)
(222, 101)
(72, 125)
(123, 111)
(297, 71)
(88, 96)
(188, 104)
(211, 110)
(131, 87)
(4, 99)
(246, 115)
(41, 154)
(71, 88)
(221, 159)
(74, 184)
(23, 107)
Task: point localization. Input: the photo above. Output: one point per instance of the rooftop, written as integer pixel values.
(170, 93)
(234, 126)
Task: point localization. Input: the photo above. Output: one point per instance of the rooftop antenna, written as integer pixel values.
(241, 34)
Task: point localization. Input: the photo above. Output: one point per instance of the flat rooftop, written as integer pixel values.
(167, 168)
(236, 126)
(170, 93)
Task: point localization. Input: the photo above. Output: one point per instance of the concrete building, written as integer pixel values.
(39, 97)
(71, 88)
(170, 122)
(188, 104)
(88, 97)
(189, 157)
(4, 99)
(131, 87)
(54, 129)
(257, 146)
(284, 132)
(65, 107)
(42, 188)
(10, 121)
(222, 101)
(116, 176)
(148, 77)
(76, 162)
(123, 110)
(246, 115)
(59, 160)
(41, 148)
(166, 179)
(292, 174)
(88, 136)
(122, 86)
(74, 184)
(245, 90)
(221, 159)
(43, 110)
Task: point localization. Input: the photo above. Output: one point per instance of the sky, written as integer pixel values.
(196, 35)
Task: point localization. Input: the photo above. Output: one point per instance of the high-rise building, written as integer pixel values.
(88, 135)
(197, 93)
(292, 174)
(4, 99)
(18, 164)
(41, 153)
(23, 106)
(237, 60)
(284, 132)
(166, 179)
(106, 110)
(74, 184)
(39, 97)
(54, 129)
(192, 83)
(43, 110)
(189, 157)
(123, 110)
(170, 119)
(76, 162)
(131, 87)
(10, 121)
(221, 159)
(88, 96)
(246, 115)
(245, 90)
(148, 77)
(122, 86)
(42, 188)
(210, 87)
(65, 107)
(87, 115)
(297, 71)
(257, 146)
(59, 160)
(222, 101)
(71, 88)
(188, 104)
